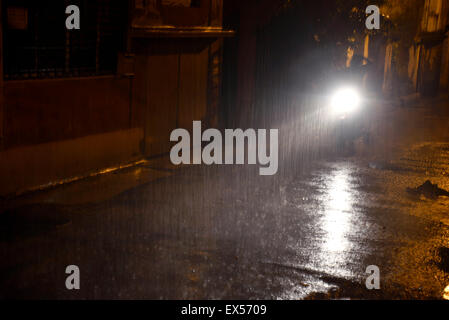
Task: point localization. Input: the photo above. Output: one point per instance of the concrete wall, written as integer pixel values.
(40, 111)
(429, 55)
(61, 129)
(401, 48)
(35, 166)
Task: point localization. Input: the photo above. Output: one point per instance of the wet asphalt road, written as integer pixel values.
(226, 233)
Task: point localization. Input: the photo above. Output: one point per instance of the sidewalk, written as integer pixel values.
(96, 188)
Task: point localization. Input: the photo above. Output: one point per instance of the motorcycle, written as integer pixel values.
(347, 107)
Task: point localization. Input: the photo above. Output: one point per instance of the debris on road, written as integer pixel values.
(429, 190)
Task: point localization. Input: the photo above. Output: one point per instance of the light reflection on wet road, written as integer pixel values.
(337, 214)
(220, 233)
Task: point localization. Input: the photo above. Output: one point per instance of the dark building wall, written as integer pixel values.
(40, 111)
(417, 60)
(52, 88)
(70, 124)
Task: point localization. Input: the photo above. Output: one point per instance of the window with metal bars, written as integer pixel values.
(37, 45)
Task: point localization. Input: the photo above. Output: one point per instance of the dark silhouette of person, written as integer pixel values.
(358, 68)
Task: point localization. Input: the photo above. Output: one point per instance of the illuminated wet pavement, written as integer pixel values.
(225, 233)
(156, 232)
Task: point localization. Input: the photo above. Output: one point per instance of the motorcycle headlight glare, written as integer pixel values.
(345, 101)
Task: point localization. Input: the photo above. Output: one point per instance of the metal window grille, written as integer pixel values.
(37, 44)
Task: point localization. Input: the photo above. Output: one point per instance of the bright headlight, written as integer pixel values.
(345, 100)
